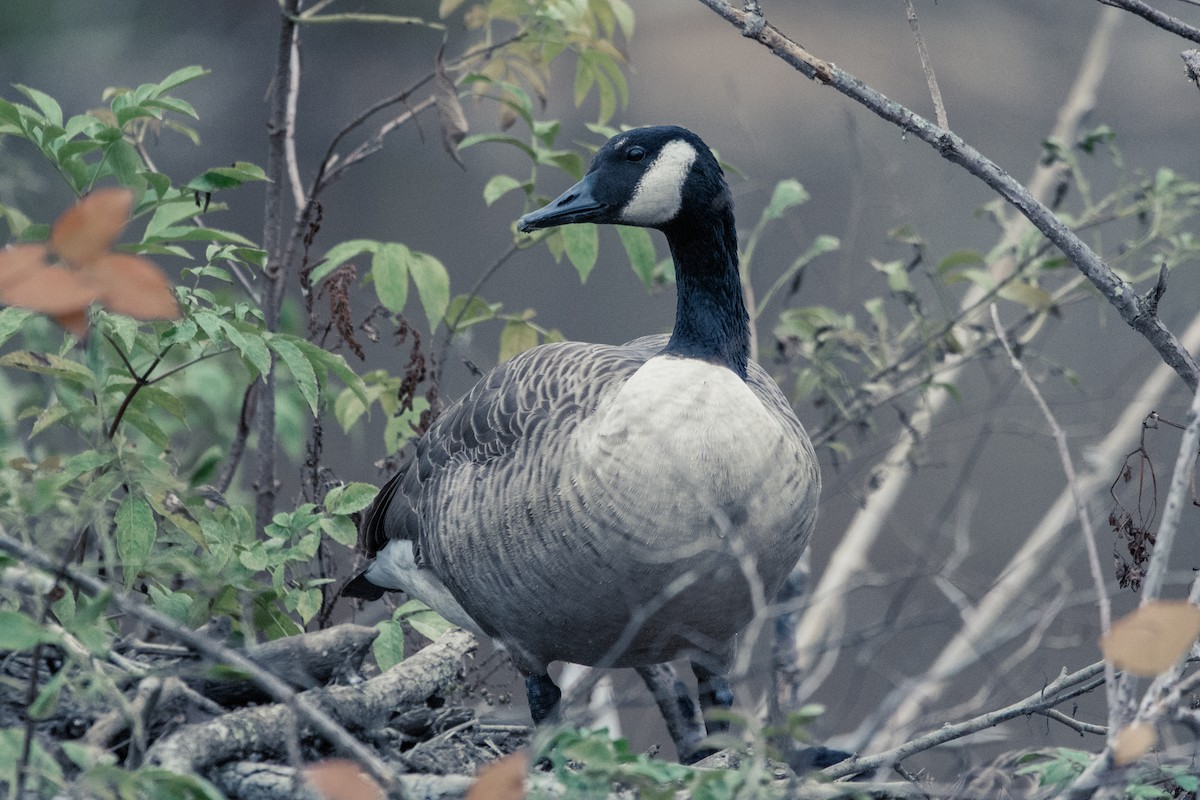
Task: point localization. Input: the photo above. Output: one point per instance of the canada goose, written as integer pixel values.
(613, 505)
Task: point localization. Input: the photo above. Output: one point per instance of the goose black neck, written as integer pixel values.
(711, 322)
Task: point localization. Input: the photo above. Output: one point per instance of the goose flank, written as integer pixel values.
(606, 505)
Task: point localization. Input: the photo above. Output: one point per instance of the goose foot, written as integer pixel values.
(543, 698)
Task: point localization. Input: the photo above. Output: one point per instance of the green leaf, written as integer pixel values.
(388, 646)
(301, 369)
(1027, 294)
(17, 221)
(960, 258)
(639, 246)
(334, 362)
(624, 15)
(582, 243)
(250, 344)
(350, 498)
(479, 138)
(44, 705)
(135, 534)
(897, 275)
(424, 620)
(168, 215)
(389, 270)
(308, 605)
(498, 186)
(465, 311)
(197, 233)
(254, 557)
(226, 177)
(19, 632)
(11, 320)
(585, 76)
(49, 364)
(46, 104)
(517, 337)
(178, 78)
(340, 254)
(433, 286)
(340, 529)
(788, 194)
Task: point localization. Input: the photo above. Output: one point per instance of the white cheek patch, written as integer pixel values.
(659, 193)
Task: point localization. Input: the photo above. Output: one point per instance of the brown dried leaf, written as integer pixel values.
(341, 779)
(1149, 641)
(132, 285)
(20, 261)
(1132, 742)
(88, 229)
(501, 780)
(50, 290)
(450, 110)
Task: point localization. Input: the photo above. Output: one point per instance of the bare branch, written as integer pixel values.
(935, 93)
(850, 556)
(218, 653)
(1178, 497)
(1027, 563)
(1053, 694)
(1156, 17)
(276, 269)
(952, 147)
(1079, 499)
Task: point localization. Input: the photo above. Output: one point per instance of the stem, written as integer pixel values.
(286, 85)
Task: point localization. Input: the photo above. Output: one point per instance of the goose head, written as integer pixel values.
(646, 177)
(665, 177)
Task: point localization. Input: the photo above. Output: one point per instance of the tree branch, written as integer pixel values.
(1046, 698)
(285, 85)
(1156, 17)
(939, 109)
(216, 652)
(952, 148)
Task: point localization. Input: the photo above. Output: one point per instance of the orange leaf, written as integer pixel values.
(50, 290)
(340, 779)
(132, 285)
(1132, 742)
(88, 229)
(1149, 641)
(74, 321)
(501, 780)
(20, 261)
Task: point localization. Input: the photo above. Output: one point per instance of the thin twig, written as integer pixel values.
(1178, 497)
(1037, 701)
(1085, 521)
(926, 65)
(277, 267)
(1071, 722)
(1156, 17)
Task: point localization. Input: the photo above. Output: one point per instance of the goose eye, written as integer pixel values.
(635, 153)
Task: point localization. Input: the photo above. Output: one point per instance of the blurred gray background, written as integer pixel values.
(1004, 68)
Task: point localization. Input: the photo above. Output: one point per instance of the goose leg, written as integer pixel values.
(543, 698)
(715, 693)
(684, 724)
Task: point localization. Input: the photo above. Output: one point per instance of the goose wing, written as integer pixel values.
(542, 393)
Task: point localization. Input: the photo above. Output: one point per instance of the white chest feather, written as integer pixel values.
(687, 437)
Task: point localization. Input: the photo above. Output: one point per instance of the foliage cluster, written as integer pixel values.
(122, 440)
